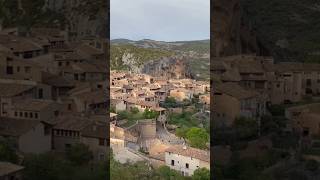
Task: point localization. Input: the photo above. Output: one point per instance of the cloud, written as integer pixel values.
(167, 20)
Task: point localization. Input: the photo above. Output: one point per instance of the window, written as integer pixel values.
(27, 69)
(172, 162)
(57, 132)
(101, 142)
(47, 130)
(18, 68)
(67, 63)
(308, 82)
(31, 115)
(187, 165)
(56, 113)
(20, 114)
(69, 107)
(98, 45)
(36, 115)
(16, 113)
(76, 77)
(25, 114)
(9, 70)
(101, 157)
(40, 93)
(3, 108)
(60, 64)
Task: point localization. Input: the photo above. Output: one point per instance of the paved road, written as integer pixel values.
(123, 155)
(167, 137)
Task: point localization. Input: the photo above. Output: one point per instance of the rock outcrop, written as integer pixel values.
(172, 67)
(230, 34)
(83, 17)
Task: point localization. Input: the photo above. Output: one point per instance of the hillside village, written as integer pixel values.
(141, 129)
(53, 94)
(263, 109)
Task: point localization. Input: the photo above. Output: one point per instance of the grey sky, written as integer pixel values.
(166, 20)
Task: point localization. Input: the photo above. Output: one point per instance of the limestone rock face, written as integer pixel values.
(229, 34)
(172, 67)
(84, 17)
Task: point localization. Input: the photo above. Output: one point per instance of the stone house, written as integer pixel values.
(90, 101)
(84, 72)
(10, 171)
(232, 101)
(186, 159)
(305, 119)
(30, 136)
(35, 109)
(21, 47)
(181, 94)
(11, 91)
(15, 68)
(95, 136)
(118, 104)
(141, 105)
(72, 129)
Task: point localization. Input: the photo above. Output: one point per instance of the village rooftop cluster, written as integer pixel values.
(52, 93)
(149, 139)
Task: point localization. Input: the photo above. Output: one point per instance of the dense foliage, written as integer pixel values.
(197, 137)
(30, 13)
(7, 152)
(292, 23)
(137, 55)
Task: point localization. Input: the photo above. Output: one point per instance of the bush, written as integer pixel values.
(312, 165)
(201, 174)
(134, 110)
(197, 137)
(150, 114)
(7, 152)
(79, 154)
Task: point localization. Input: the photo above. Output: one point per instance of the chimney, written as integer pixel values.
(184, 146)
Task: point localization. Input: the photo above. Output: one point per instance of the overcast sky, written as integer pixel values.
(166, 20)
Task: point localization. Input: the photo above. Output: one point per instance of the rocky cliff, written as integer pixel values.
(172, 67)
(229, 34)
(287, 29)
(80, 18)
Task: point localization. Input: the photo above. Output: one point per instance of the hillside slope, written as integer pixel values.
(290, 28)
(130, 57)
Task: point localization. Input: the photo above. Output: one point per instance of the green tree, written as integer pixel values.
(79, 154)
(112, 109)
(164, 172)
(312, 165)
(197, 137)
(150, 114)
(182, 132)
(7, 152)
(245, 127)
(134, 110)
(123, 115)
(201, 174)
(46, 166)
(170, 102)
